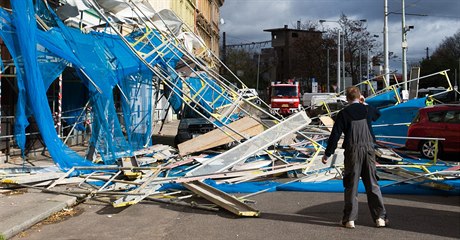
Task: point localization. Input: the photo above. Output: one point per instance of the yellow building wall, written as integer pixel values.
(202, 16)
(185, 9)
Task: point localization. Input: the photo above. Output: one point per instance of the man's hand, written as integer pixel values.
(324, 160)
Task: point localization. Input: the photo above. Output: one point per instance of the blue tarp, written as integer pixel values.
(337, 186)
(401, 113)
(31, 83)
(384, 99)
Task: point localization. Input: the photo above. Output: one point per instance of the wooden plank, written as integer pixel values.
(32, 178)
(263, 174)
(327, 121)
(387, 154)
(246, 126)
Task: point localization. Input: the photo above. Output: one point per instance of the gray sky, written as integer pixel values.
(245, 20)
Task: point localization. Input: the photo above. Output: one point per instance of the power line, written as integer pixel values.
(250, 44)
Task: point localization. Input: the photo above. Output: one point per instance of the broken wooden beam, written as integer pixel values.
(246, 126)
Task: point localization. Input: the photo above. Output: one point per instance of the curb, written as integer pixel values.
(31, 216)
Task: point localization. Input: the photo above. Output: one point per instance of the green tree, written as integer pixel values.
(445, 56)
(243, 64)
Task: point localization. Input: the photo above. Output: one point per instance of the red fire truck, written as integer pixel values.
(285, 97)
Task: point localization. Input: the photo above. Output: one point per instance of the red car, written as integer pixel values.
(439, 121)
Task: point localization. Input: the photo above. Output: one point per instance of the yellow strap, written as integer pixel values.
(203, 86)
(398, 99)
(143, 36)
(370, 86)
(327, 108)
(215, 100)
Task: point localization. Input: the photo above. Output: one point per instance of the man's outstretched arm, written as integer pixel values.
(336, 132)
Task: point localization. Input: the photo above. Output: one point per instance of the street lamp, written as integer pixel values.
(405, 29)
(338, 56)
(368, 55)
(258, 69)
(339, 31)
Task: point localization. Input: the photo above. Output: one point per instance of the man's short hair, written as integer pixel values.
(352, 93)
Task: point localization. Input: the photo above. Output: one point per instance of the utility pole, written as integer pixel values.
(343, 61)
(367, 63)
(385, 44)
(327, 60)
(338, 60)
(224, 48)
(360, 67)
(404, 45)
(258, 69)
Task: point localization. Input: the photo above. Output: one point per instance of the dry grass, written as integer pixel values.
(11, 192)
(55, 218)
(62, 215)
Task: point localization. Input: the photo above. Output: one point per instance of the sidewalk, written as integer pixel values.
(18, 212)
(21, 211)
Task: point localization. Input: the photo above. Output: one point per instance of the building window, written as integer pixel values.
(294, 35)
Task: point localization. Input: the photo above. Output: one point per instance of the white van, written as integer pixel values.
(307, 98)
(248, 92)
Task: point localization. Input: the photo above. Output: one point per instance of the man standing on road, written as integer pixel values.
(355, 122)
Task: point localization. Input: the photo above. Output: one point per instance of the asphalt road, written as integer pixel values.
(285, 215)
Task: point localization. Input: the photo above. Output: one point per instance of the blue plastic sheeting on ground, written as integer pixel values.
(247, 187)
(383, 99)
(33, 85)
(402, 188)
(401, 113)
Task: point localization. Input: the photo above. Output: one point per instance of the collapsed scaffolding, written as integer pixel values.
(138, 55)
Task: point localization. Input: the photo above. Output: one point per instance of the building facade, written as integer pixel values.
(294, 51)
(202, 16)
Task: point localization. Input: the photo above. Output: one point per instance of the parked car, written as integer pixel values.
(191, 125)
(439, 121)
(251, 94)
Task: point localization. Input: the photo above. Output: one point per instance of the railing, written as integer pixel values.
(436, 143)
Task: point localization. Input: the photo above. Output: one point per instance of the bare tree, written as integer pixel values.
(356, 40)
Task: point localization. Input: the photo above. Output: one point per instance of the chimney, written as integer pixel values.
(285, 26)
(298, 25)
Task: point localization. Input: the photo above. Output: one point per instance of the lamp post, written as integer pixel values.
(339, 31)
(405, 29)
(327, 57)
(258, 69)
(385, 44)
(369, 60)
(343, 60)
(338, 57)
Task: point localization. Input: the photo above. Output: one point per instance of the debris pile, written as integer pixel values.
(122, 167)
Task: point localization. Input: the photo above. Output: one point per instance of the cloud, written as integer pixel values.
(245, 20)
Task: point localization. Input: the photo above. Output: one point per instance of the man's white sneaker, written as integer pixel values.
(349, 224)
(380, 223)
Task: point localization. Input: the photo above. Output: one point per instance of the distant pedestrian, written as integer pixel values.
(355, 122)
(429, 101)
